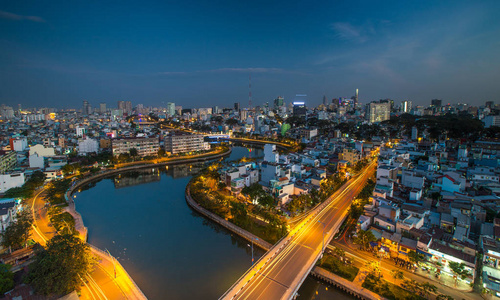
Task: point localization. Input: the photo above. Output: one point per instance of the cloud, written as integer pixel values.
(346, 31)
(228, 70)
(15, 17)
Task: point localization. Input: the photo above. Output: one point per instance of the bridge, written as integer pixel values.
(281, 271)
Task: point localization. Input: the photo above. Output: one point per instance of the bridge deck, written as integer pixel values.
(281, 271)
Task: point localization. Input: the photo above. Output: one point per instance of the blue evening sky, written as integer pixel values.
(200, 53)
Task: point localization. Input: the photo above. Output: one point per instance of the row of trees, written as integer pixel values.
(303, 202)
(206, 189)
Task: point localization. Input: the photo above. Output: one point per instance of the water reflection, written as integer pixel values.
(171, 251)
(137, 177)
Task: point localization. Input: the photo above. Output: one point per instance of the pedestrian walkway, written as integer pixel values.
(360, 278)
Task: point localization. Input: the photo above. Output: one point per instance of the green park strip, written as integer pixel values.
(336, 265)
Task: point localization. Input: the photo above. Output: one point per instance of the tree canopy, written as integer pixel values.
(60, 268)
(17, 233)
(6, 279)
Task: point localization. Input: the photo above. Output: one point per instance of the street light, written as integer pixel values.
(323, 236)
(113, 261)
(252, 248)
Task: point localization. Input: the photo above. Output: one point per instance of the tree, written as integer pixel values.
(364, 237)
(231, 122)
(133, 152)
(340, 253)
(373, 267)
(415, 257)
(397, 274)
(444, 297)
(412, 286)
(6, 279)
(458, 270)
(266, 201)
(17, 233)
(428, 288)
(161, 152)
(60, 268)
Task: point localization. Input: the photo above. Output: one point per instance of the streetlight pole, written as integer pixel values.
(113, 261)
(252, 249)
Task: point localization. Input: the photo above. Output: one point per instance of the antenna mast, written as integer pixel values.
(250, 92)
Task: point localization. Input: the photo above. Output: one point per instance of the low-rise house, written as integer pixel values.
(12, 180)
(491, 264)
(442, 254)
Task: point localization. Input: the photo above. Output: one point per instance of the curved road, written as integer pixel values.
(101, 284)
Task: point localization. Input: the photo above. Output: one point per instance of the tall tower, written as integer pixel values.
(356, 98)
(250, 92)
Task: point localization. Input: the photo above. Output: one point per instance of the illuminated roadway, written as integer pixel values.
(280, 272)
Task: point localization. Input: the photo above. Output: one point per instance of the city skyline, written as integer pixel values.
(60, 54)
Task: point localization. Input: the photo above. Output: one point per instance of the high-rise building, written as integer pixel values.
(86, 109)
(128, 107)
(171, 109)
(325, 100)
(236, 106)
(125, 106)
(102, 107)
(299, 108)
(406, 106)
(279, 102)
(436, 102)
(356, 98)
(490, 104)
(378, 111)
(414, 133)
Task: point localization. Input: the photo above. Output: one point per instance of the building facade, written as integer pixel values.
(183, 142)
(378, 112)
(7, 161)
(144, 146)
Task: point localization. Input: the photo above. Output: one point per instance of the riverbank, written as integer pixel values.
(318, 272)
(108, 264)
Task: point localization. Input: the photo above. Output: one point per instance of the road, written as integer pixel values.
(360, 258)
(280, 272)
(101, 284)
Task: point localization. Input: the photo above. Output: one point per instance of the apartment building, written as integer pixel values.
(145, 146)
(180, 142)
(8, 160)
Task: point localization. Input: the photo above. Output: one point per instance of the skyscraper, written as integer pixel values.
(102, 107)
(378, 111)
(171, 109)
(86, 109)
(299, 108)
(436, 102)
(279, 102)
(236, 106)
(325, 100)
(406, 106)
(356, 98)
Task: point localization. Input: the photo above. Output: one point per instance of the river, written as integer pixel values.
(169, 250)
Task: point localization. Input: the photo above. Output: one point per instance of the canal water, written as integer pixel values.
(170, 251)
